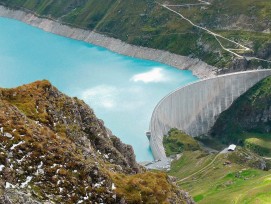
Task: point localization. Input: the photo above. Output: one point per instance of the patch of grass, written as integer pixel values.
(177, 142)
(189, 163)
(258, 143)
(148, 187)
(198, 198)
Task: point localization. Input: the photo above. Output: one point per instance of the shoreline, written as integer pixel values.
(198, 68)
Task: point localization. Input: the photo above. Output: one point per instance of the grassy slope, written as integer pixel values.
(149, 187)
(234, 177)
(146, 23)
(259, 143)
(219, 183)
(177, 142)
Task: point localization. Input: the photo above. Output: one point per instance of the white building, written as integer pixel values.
(231, 147)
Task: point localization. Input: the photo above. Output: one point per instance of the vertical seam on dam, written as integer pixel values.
(195, 107)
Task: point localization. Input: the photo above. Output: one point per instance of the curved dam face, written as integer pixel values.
(195, 107)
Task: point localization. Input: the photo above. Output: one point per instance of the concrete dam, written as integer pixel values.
(194, 108)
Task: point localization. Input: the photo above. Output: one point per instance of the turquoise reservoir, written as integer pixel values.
(123, 91)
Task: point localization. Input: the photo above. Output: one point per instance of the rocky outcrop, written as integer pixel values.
(69, 116)
(198, 68)
(53, 149)
(16, 196)
(245, 157)
(237, 66)
(265, 52)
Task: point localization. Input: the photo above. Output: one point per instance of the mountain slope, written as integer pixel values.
(247, 122)
(147, 23)
(54, 149)
(249, 113)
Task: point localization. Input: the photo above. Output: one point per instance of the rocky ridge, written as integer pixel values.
(55, 150)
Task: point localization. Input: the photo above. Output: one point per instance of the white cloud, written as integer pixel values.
(113, 98)
(101, 95)
(155, 75)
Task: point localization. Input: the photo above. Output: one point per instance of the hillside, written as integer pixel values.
(247, 121)
(148, 23)
(211, 176)
(231, 177)
(55, 150)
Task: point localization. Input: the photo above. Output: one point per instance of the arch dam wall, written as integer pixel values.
(195, 107)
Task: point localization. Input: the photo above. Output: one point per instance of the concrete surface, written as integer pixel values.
(195, 107)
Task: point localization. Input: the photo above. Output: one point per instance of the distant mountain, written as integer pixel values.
(53, 149)
(147, 23)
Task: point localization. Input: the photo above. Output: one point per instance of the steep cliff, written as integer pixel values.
(55, 150)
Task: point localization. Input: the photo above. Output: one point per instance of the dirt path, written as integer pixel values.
(201, 170)
(216, 36)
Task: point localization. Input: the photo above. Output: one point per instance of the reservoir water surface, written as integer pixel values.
(123, 91)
